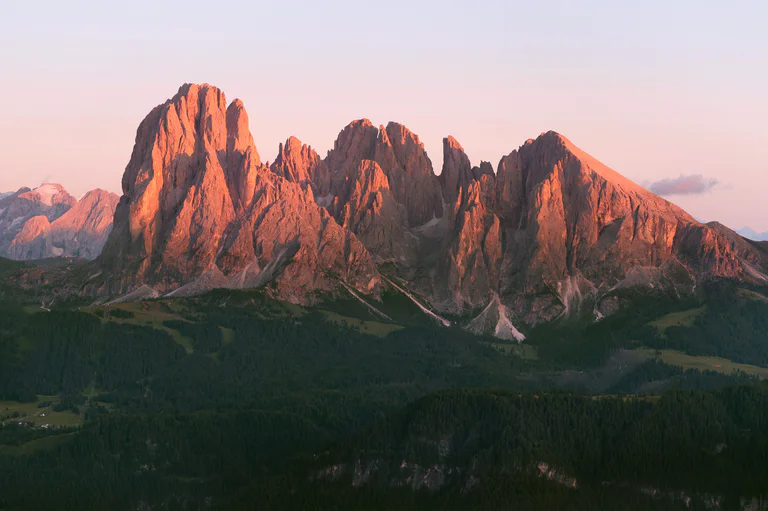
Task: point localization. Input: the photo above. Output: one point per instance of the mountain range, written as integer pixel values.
(550, 232)
(751, 234)
(48, 222)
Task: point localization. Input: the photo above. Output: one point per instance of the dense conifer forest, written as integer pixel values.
(237, 401)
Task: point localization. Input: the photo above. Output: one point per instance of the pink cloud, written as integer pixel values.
(692, 184)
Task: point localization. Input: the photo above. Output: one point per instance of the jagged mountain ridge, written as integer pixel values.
(552, 232)
(198, 202)
(48, 222)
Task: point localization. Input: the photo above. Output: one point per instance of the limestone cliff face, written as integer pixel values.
(457, 170)
(33, 241)
(473, 251)
(176, 201)
(551, 233)
(367, 207)
(83, 230)
(555, 229)
(197, 202)
(382, 186)
(299, 163)
(16, 208)
(402, 158)
(48, 222)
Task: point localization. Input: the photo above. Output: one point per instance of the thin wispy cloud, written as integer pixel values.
(692, 184)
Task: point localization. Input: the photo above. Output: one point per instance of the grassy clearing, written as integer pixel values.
(227, 335)
(682, 318)
(629, 397)
(293, 310)
(524, 351)
(32, 309)
(147, 314)
(717, 364)
(34, 413)
(366, 327)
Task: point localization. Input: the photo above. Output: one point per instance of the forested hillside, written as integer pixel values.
(234, 400)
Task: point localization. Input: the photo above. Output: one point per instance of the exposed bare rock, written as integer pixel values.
(33, 241)
(403, 160)
(299, 163)
(556, 231)
(48, 222)
(176, 204)
(510, 193)
(83, 230)
(473, 254)
(553, 233)
(495, 320)
(297, 244)
(457, 170)
(581, 216)
(50, 195)
(243, 160)
(355, 143)
(197, 202)
(485, 169)
(48, 200)
(406, 192)
(368, 208)
(412, 180)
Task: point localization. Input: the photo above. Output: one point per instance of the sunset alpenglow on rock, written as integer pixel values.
(430, 255)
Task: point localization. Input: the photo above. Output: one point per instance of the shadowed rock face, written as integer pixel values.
(403, 159)
(48, 222)
(457, 171)
(367, 207)
(198, 202)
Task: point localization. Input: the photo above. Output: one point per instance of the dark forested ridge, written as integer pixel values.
(237, 401)
(686, 446)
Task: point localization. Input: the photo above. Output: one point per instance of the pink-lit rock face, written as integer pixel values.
(33, 241)
(555, 221)
(553, 231)
(299, 163)
(401, 157)
(48, 222)
(83, 230)
(457, 171)
(196, 199)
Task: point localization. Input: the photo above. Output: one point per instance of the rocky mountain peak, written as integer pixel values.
(355, 143)
(510, 195)
(457, 170)
(299, 163)
(198, 204)
(402, 158)
(552, 233)
(49, 194)
(243, 159)
(485, 169)
(411, 176)
(48, 222)
(368, 208)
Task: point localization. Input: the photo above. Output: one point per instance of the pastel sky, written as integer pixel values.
(658, 90)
